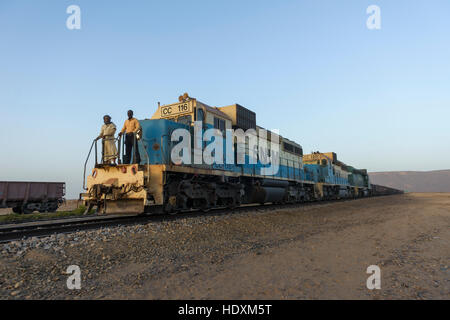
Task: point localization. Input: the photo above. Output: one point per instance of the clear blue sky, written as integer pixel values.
(379, 98)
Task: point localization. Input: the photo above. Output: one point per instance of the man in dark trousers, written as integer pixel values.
(130, 128)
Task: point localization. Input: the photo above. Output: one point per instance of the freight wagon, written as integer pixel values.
(378, 190)
(26, 197)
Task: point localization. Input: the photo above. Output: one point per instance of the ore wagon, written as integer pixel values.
(26, 197)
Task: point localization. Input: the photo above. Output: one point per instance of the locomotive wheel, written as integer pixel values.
(169, 209)
(206, 207)
(52, 207)
(231, 204)
(27, 211)
(17, 210)
(170, 206)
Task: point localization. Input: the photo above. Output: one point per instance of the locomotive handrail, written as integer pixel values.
(110, 157)
(133, 159)
(163, 157)
(161, 142)
(118, 154)
(146, 153)
(87, 159)
(148, 158)
(119, 149)
(96, 158)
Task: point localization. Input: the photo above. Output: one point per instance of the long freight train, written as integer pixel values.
(175, 175)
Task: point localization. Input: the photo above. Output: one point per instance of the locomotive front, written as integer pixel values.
(139, 187)
(116, 189)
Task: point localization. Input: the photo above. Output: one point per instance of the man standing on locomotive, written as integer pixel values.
(107, 134)
(131, 127)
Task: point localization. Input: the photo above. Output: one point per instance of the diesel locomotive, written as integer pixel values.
(261, 166)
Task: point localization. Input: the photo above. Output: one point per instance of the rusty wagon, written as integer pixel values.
(26, 197)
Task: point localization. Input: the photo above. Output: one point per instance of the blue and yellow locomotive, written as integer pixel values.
(179, 170)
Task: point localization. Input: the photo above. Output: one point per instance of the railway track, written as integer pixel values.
(20, 231)
(12, 232)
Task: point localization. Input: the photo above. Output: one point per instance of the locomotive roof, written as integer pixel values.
(214, 110)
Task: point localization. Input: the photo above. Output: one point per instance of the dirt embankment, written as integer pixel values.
(414, 181)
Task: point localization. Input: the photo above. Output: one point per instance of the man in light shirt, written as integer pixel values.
(130, 127)
(109, 147)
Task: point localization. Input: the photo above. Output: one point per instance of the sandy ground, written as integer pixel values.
(408, 237)
(317, 252)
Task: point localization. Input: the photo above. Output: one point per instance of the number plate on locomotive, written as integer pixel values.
(176, 109)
